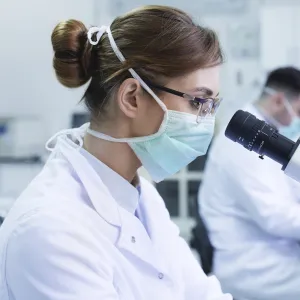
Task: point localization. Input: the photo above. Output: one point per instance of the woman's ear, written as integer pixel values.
(128, 97)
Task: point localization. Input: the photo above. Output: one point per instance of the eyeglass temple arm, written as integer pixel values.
(165, 89)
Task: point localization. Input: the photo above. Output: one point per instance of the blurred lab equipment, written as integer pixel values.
(79, 118)
(5, 205)
(21, 152)
(21, 138)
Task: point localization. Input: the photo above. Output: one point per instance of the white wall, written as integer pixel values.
(27, 81)
(280, 25)
(239, 36)
(28, 84)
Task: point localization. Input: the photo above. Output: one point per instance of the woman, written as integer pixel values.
(88, 227)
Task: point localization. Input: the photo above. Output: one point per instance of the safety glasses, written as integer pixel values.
(206, 106)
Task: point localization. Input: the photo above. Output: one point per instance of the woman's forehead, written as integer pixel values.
(204, 81)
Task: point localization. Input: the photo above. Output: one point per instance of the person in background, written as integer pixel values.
(251, 209)
(88, 227)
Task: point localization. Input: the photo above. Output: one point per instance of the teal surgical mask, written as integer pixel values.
(179, 140)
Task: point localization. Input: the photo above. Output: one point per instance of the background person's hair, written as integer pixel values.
(158, 42)
(285, 80)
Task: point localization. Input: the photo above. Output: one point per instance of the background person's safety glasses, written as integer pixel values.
(207, 106)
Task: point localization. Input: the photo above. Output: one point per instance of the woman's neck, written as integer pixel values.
(117, 156)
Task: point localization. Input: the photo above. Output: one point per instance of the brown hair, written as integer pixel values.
(158, 42)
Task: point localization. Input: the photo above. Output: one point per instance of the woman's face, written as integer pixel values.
(148, 115)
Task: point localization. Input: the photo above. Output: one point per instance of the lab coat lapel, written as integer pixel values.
(103, 202)
(154, 216)
(135, 240)
(162, 232)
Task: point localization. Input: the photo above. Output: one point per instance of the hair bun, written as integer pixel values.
(72, 53)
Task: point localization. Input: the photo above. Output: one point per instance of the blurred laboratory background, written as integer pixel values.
(256, 35)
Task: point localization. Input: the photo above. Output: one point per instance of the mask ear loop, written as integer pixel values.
(133, 73)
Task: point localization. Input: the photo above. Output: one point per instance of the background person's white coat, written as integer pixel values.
(252, 213)
(68, 238)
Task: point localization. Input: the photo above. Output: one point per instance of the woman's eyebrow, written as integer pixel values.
(205, 90)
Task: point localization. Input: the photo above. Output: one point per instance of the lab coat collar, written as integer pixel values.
(133, 237)
(123, 192)
(146, 240)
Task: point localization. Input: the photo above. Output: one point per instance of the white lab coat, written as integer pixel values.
(68, 238)
(252, 213)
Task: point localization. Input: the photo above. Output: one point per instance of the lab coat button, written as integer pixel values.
(160, 275)
(133, 239)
